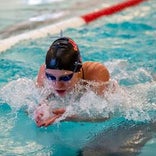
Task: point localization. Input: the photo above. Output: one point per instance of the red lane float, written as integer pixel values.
(110, 10)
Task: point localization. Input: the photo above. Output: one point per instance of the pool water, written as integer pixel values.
(125, 43)
(38, 13)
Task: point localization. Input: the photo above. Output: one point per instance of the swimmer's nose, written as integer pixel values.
(58, 84)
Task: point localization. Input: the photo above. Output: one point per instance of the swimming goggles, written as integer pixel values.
(61, 78)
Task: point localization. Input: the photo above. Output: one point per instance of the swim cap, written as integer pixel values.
(64, 54)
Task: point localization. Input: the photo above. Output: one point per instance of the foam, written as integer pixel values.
(133, 103)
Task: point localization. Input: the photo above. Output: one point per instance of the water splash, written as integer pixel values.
(19, 93)
(134, 102)
(126, 74)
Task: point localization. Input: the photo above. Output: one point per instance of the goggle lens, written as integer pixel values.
(61, 78)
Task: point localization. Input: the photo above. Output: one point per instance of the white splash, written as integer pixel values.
(134, 102)
(19, 93)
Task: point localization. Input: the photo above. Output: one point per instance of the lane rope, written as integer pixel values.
(63, 25)
(110, 10)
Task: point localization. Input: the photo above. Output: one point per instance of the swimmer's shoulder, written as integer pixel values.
(95, 71)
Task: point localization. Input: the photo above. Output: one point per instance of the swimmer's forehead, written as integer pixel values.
(57, 71)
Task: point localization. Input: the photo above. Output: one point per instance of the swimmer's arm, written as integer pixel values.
(40, 121)
(57, 113)
(78, 118)
(73, 118)
(41, 76)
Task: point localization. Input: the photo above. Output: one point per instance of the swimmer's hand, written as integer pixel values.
(42, 119)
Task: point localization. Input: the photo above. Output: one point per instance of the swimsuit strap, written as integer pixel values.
(82, 73)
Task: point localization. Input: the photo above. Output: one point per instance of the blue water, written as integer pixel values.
(125, 43)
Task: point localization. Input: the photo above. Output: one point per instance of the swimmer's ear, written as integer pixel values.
(78, 66)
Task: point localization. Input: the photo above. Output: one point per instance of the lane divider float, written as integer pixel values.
(63, 25)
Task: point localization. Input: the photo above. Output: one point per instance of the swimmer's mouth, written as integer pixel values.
(60, 92)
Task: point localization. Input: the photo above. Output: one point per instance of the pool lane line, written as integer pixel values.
(70, 23)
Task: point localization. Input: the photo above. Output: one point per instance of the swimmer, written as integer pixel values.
(63, 69)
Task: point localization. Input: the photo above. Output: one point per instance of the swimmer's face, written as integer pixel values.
(62, 81)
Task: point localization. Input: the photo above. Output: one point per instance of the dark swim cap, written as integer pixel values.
(64, 54)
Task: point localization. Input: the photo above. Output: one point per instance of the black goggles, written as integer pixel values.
(61, 78)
